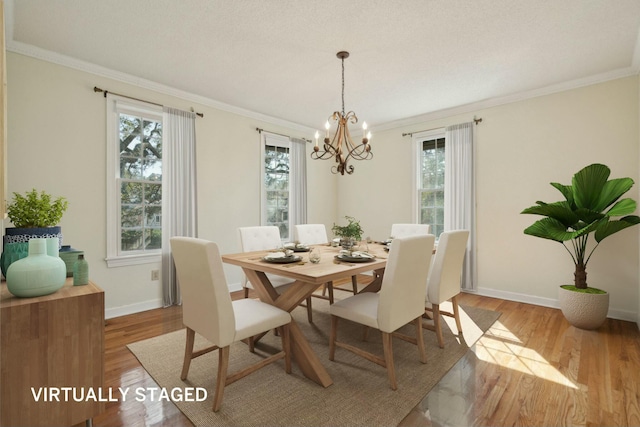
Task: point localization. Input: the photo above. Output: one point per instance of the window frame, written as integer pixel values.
(417, 140)
(115, 106)
(271, 139)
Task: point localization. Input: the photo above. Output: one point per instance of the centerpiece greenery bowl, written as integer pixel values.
(349, 234)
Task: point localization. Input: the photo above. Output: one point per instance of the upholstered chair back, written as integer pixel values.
(403, 285)
(206, 302)
(404, 230)
(259, 238)
(444, 279)
(310, 234)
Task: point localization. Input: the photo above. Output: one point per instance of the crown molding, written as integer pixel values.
(66, 61)
(509, 99)
(69, 62)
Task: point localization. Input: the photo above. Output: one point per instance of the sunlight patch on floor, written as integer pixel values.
(500, 347)
(471, 331)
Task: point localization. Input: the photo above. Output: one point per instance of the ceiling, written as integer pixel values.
(278, 57)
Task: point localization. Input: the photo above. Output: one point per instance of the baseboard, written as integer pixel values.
(132, 308)
(233, 287)
(613, 313)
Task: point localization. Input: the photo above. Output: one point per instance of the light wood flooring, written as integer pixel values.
(531, 368)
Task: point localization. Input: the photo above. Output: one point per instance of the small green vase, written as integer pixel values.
(12, 252)
(80, 271)
(38, 274)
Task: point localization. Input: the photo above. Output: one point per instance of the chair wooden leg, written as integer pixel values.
(354, 283)
(420, 339)
(365, 333)
(223, 365)
(388, 358)
(246, 292)
(286, 346)
(437, 323)
(188, 353)
(456, 313)
(309, 312)
(332, 337)
(329, 286)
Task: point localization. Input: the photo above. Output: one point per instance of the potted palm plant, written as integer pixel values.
(349, 234)
(591, 204)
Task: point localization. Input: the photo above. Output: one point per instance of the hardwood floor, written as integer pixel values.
(530, 368)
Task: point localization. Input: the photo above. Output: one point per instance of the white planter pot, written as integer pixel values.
(584, 311)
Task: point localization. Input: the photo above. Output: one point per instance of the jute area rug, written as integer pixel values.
(359, 396)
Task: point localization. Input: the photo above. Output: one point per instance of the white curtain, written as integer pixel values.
(298, 184)
(459, 193)
(179, 204)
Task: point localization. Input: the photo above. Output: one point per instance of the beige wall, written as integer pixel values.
(56, 135)
(56, 142)
(521, 147)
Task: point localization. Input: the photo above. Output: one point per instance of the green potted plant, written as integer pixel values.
(34, 214)
(350, 233)
(590, 207)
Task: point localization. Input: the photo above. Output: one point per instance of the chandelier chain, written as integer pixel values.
(343, 86)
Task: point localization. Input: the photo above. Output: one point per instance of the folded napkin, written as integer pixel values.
(275, 255)
(295, 246)
(356, 254)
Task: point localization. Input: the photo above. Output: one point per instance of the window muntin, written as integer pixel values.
(431, 184)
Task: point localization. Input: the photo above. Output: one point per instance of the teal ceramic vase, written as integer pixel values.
(38, 274)
(12, 252)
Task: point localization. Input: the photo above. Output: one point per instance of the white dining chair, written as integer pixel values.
(444, 280)
(399, 302)
(404, 230)
(264, 238)
(207, 309)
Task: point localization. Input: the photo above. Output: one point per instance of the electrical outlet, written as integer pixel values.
(155, 275)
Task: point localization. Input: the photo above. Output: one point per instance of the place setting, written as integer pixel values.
(297, 247)
(286, 256)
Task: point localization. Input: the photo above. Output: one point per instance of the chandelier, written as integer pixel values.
(341, 146)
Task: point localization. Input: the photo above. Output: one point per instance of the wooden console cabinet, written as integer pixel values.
(53, 341)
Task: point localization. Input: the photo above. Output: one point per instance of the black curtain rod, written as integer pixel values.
(97, 89)
(426, 130)
(276, 133)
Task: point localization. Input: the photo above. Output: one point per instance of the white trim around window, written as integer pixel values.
(416, 147)
(115, 106)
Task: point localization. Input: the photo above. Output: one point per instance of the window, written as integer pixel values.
(276, 183)
(134, 193)
(430, 180)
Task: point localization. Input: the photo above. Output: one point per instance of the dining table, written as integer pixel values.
(307, 277)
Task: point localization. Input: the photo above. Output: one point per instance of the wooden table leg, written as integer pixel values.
(376, 283)
(306, 358)
(303, 354)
